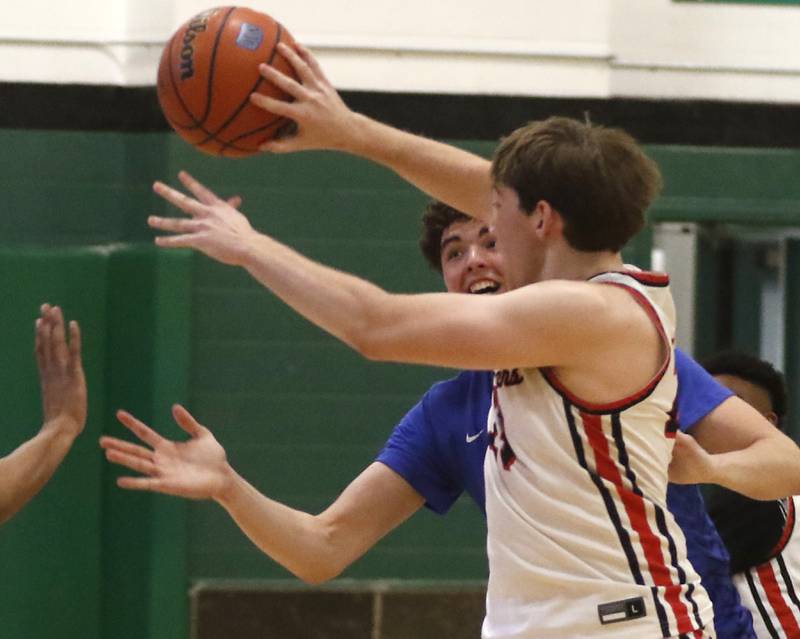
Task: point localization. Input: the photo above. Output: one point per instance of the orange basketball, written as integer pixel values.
(207, 72)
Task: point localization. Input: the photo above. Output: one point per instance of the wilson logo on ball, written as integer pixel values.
(196, 25)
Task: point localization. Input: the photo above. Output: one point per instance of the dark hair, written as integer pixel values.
(437, 217)
(754, 370)
(597, 178)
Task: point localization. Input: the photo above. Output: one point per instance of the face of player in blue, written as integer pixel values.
(470, 260)
(516, 234)
(755, 395)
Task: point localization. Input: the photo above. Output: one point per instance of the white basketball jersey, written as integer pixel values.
(770, 591)
(580, 540)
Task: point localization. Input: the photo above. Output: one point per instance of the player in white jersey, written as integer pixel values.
(771, 590)
(565, 197)
(599, 472)
(761, 536)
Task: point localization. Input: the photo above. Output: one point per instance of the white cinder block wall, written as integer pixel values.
(578, 48)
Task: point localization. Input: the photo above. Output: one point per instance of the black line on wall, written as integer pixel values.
(474, 117)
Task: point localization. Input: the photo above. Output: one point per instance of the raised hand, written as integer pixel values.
(197, 468)
(61, 374)
(214, 226)
(323, 119)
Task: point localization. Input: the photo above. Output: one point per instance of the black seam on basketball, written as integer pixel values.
(245, 102)
(175, 88)
(229, 144)
(272, 123)
(212, 67)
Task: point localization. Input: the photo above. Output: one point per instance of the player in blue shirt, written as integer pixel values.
(433, 455)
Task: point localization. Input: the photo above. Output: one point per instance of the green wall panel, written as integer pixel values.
(144, 535)
(51, 552)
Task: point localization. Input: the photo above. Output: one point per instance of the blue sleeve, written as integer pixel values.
(412, 453)
(698, 392)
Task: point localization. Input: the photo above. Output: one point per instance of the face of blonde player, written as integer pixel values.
(515, 230)
(753, 394)
(470, 260)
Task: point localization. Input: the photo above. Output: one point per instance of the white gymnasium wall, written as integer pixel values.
(600, 48)
(689, 49)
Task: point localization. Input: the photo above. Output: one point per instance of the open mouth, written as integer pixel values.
(484, 287)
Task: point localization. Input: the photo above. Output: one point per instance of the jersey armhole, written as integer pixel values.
(631, 400)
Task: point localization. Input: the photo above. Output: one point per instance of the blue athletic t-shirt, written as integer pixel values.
(440, 444)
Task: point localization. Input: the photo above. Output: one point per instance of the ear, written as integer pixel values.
(772, 418)
(546, 219)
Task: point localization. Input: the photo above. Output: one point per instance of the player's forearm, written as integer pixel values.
(348, 307)
(378, 325)
(27, 469)
(447, 173)
(295, 539)
(767, 469)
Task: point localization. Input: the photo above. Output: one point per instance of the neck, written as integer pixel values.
(569, 264)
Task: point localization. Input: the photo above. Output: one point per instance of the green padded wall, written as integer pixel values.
(145, 586)
(51, 552)
(113, 563)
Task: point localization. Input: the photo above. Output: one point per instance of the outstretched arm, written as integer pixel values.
(533, 326)
(27, 469)
(313, 547)
(734, 446)
(447, 173)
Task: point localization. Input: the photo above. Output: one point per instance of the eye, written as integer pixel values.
(492, 243)
(452, 254)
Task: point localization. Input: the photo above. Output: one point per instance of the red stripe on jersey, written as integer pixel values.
(630, 400)
(635, 509)
(788, 527)
(779, 606)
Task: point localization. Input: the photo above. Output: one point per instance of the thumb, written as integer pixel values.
(286, 145)
(185, 420)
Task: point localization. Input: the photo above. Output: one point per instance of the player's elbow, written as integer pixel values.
(320, 569)
(372, 339)
(319, 574)
(370, 345)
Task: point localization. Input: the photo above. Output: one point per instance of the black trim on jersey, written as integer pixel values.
(616, 430)
(606, 409)
(673, 553)
(624, 537)
(451, 116)
(760, 605)
(613, 515)
(787, 581)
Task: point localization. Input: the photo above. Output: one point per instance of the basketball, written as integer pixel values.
(207, 72)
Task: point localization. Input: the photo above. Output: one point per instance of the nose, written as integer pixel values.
(476, 258)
